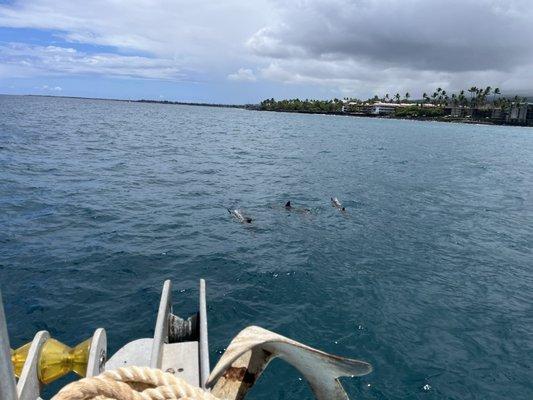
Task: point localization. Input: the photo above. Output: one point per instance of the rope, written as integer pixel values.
(132, 383)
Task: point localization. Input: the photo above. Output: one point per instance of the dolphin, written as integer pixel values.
(239, 217)
(337, 204)
(289, 207)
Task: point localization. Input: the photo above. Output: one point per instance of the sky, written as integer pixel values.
(243, 51)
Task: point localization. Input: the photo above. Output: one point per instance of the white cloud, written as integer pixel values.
(159, 39)
(54, 60)
(357, 47)
(243, 74)
(199, 35)
(50, 88)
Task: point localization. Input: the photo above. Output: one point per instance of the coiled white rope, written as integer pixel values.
(132, 383)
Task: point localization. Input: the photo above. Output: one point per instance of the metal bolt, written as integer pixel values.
(102, 360)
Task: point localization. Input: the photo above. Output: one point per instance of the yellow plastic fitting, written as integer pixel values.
(55, 360)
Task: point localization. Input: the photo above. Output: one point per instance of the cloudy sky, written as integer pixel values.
(236, 51)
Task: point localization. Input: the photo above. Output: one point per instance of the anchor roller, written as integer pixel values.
(55, 359)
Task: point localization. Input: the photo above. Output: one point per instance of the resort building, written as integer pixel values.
(348, 105)
(514, 115)
(386, 108)
(521, 115)
(390, 108)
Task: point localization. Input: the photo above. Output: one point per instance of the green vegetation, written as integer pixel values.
(417, 111)
(475, 104)
(304, 106)
(476, 98)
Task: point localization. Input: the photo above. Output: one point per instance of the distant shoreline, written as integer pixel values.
(421, 119)
(183, 103)
(257, 107)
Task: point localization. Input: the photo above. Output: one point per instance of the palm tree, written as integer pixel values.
(486, 93)
(397, 97)
(462, 98)
(407, 95)
(455, 102)
(387, 98)
(496, 92)
(481, 96)
(472, 90)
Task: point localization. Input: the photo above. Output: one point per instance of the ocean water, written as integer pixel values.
(428, 275)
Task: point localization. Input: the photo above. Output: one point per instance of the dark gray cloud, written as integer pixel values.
(329, 47)
(451, 35)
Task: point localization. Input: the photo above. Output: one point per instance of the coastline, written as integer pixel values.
(486, 106)
(257, 107)
(182, 103)
(420, 119)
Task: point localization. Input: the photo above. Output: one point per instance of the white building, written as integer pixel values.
(386, 108)
(347, 105)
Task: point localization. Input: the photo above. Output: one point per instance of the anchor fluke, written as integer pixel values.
(253, 348)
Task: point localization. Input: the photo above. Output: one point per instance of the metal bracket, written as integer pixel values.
(161, 325)
(29, 386)
(97, 353)
(7, 377)
(204, 342)
(170, 328)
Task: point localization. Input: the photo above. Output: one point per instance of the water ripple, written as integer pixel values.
(427, 276)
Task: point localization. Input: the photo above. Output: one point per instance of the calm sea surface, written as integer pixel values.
(428, 276)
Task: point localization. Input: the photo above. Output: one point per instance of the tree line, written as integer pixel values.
(304, 106)
(473, 97)
(476, 98)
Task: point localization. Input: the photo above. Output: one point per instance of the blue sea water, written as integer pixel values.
(428, 276)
